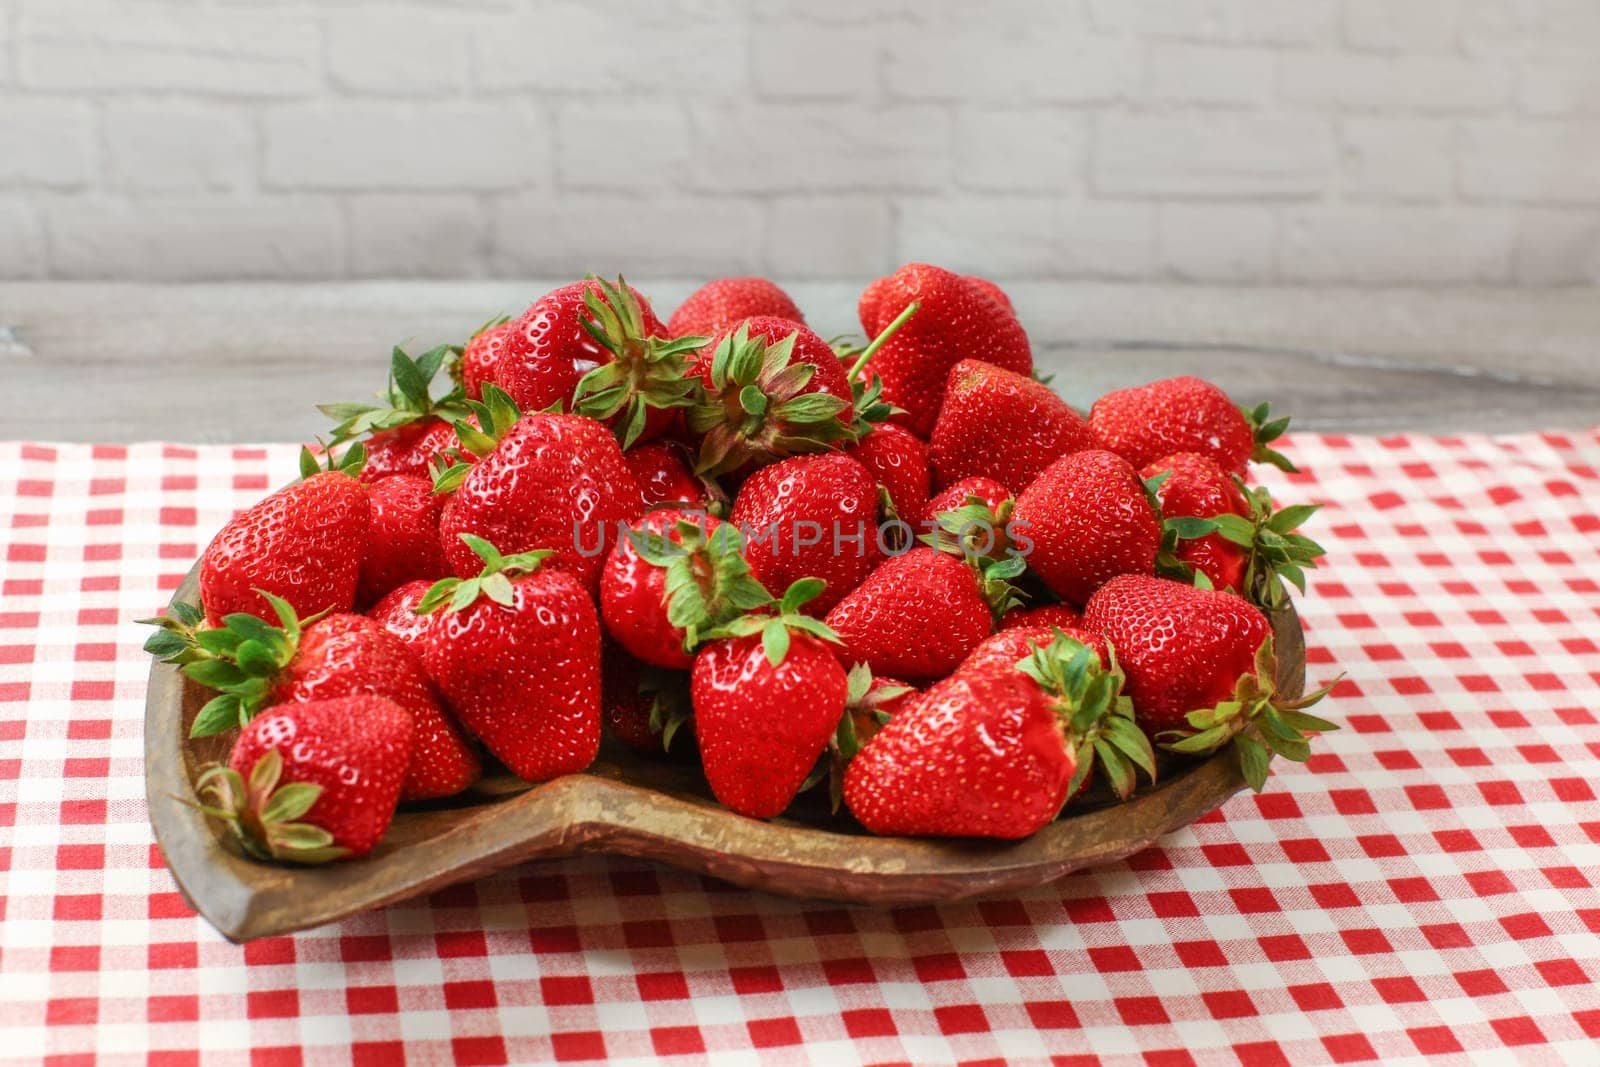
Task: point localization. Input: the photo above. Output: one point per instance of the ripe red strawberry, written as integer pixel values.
(397, 613)
(402, 536)
(723, 303)
(480, 357)
(978, 755)
(665, 473)
(252, 665)
(674, 576)
(1240, 540)
(1147, 422)
(1062, 615)
(409, 449)
(313, 782)
(408, 429)
(967, 491)
(516, 651)
(915, 617)
(1089, 520)
(1201, 671)
(555, 482)
(956, 321)
(642, 706)
(809, 517)
(770, 388)
(1002, 425)
(1012, 645)
(768, 695)
(898, 459)
(599, 348)
(993, 292)
(304, 543)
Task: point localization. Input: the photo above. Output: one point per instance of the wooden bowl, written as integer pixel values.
(636, 806)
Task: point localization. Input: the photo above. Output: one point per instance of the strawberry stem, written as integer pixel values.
(882, 339)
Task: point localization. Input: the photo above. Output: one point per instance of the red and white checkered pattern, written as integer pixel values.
(1426, 886)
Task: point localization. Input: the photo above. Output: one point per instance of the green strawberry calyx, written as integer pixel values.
(644, 373)
(777, 621)
(863, 717)
(757, 407)
(707, 582)
(1097, 718)
(407, 398)
(263, 815)
(1258, 722)
(240, 659)
(322, 461)
(976, 533)
(478, 432)
(494, 581)
(1264, 430)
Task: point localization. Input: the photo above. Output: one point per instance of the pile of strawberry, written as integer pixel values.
(903, 566)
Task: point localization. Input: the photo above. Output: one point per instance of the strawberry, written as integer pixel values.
(898, 460)
(723, 303)
(809, 516)
(642, 706)
(480, 357)
(304, 543)
(408, 429)
(313, 782)
(978, 755)
(993, 292)
(770, 388)
(252, 665)
(665, 473)
(1241, 541)
(1144, 423)
(555, 482)
(672, 578)
(1002, 425)
(1066, 617)
(966, 492)
(397, 613)
(402, 536)
(768, 695)
(1201, 671)
(599, 347)
(1010, 646)
(956, 321)
(870, 702)
(1088, 519)
(516, 651)
(916, 616)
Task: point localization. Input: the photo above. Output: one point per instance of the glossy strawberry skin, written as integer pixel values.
(956, 321)
(397, 613)
(981, 754)
(993, 292)
(722, 303)
(999, 424)
(1089, 520)
(633, 594)
(1147, 422)
(665, 473)
(304, 543)
(1014, 644)
(1196, 486)
(408, 449)
(915, 617)
(898, 459)
(954, 496)
(760, 727)
(352, 655)
(480, 358)
(402, 536)
(357, 748)
(547, 351)
(1062, 615)
(554, 481)
(525, 678)
(1182, 648)
(828, 489)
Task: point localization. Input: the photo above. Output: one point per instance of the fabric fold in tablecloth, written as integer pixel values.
(1427, 885)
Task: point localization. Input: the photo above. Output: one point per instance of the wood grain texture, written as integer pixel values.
(636, 806)
(245, 362)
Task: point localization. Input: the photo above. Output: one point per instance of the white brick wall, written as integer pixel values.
(1240, 141)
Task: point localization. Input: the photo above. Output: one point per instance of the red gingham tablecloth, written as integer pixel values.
(1426, 887)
